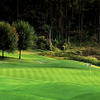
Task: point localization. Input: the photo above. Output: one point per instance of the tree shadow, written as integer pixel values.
(3, 58)
(7, 58)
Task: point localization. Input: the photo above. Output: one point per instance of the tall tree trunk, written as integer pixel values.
(81, 28)
(20, 54)
(50, 16)
(17, 9)
(99, 25)
(80, 17)
(99, 30)
(60, 28)
(68, 36)
(47, 10)
(2, 53)
(50, 42)
(66, 23)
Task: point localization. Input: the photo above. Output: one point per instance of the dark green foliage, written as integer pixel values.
(91, 60)
(25, 33)
(74, 21)
(42, 43)
(8, 38)
(87, 55)
(45, 29)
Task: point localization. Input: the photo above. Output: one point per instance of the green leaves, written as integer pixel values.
(25, 32)
(18, 35)
(8, 37)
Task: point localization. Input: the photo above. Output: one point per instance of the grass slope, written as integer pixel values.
(41, 78)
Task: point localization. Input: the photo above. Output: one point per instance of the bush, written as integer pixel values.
(88, 59)
(72, 56)
(89, 51)
(50, 53)
(42, 43)
(66, 46)
(55, 49)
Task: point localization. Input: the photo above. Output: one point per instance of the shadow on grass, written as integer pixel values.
(24, 63)
(3, 58)
(8, 58)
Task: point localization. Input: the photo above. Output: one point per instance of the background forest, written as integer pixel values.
(60, 22)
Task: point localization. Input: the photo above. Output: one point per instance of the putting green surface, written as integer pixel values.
(42, 78)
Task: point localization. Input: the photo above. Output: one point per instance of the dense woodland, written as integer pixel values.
(57, 23)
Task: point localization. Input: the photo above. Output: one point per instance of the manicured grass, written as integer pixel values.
(41, 78)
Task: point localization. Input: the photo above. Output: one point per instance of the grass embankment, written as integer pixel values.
(41, 78)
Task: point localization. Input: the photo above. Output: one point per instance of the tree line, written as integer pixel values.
(59, 22)
(16, 36)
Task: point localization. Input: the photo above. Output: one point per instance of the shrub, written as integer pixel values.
(42, 43)
(88, 59)
(50, 53)
(72, 56)
(66, 46)
(55, 49)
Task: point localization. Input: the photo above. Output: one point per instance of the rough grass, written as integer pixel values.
(91, 57)
(41, 78)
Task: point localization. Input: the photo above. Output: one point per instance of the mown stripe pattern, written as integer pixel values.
(53, 74)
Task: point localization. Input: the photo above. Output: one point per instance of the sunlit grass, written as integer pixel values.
(41, 78)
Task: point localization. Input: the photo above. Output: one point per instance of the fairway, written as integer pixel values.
(37, 77)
